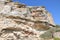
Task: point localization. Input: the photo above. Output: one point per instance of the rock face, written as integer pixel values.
(21, 22)
(57, 34)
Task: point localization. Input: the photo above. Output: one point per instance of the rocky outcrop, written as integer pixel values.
(21, 22)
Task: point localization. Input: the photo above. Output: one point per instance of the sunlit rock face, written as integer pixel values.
(5, 0)
(21, 22)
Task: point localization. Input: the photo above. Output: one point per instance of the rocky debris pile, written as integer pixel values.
(21, 22)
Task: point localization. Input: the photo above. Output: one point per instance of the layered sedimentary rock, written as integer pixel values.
(21, 22)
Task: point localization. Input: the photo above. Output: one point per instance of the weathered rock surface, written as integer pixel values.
(21, 22)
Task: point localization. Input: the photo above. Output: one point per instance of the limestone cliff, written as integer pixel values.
(18, 21)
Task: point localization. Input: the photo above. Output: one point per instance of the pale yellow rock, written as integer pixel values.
(50, 18)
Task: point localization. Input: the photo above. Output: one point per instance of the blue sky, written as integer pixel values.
(53, 6)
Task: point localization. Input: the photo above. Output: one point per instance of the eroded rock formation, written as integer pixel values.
(21, 22)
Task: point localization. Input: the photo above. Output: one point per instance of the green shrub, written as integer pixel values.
(56, 38)
(46, 35)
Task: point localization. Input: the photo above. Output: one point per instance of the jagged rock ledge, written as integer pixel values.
(18, 21)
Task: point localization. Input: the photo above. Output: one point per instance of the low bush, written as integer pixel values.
(56, 38)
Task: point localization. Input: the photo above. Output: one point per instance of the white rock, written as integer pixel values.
(6, 9)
